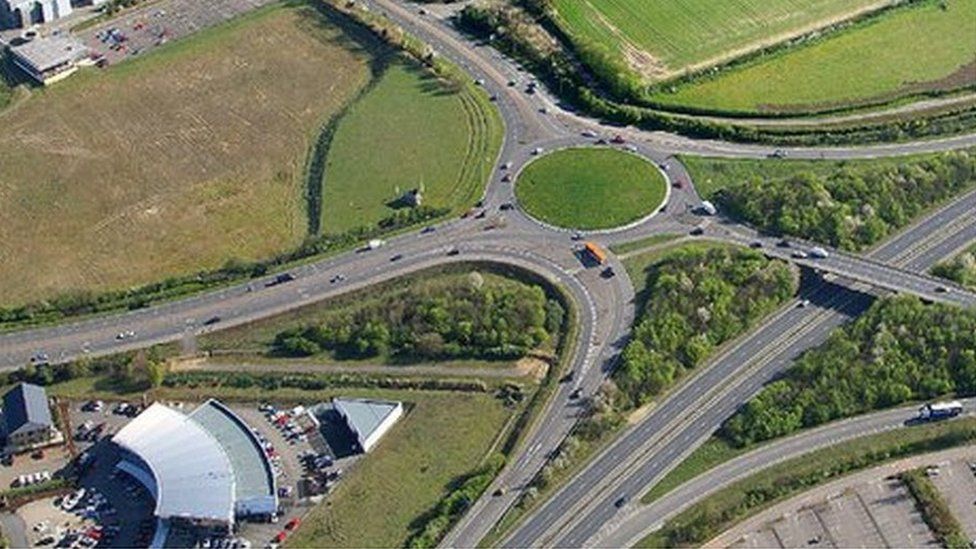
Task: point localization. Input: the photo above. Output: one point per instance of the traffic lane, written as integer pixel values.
(701, 383)
(650, 517)
(909, 237)
(232, 306)
(562, 412)
(948, 248)
(859, 268)
(693, 435)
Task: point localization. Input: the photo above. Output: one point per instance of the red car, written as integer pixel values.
(293, 523)
(618, 139)
(280, 537)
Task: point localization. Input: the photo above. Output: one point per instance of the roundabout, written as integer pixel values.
(591, 189)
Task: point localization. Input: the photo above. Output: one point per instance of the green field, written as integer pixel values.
(905, 52)
(588, 189)
(408, 132)
(661, 38)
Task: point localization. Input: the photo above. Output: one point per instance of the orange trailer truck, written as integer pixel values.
(596, 252)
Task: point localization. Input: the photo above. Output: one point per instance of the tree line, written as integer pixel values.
(900, 351)
(961, 269)
(460, 319)
(698, 299)
(850, 207)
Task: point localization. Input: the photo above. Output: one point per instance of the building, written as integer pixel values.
(24, 13)
(50, 58)
(206, 468)
(27, 422)
(368, 420)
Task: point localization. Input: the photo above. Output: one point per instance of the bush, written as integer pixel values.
(698, 299)
(901, 350)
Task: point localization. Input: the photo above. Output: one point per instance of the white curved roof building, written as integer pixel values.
(205, 466)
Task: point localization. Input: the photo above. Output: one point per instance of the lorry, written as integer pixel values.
(595, 252)
(374, 244)
(934, 411)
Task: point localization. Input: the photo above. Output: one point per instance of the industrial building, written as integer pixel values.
(50, 58)
(206, 468)
(368, 420)
(24, 13)
(27, 422)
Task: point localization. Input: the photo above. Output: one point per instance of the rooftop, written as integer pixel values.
(44, 53)
(25, 406)
(363, 415)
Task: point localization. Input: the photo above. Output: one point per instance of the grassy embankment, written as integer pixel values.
(723, 509)
(870, 63)
(590, 188)
(935, 509)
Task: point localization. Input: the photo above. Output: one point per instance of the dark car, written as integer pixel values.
(453, 251)
(281, 279)
(784, 243)
(697, 231)
(755, 244)
(211, 321)
(506, 206)
(608, 273)
(428, 229)
(621, 501)
(397, 257)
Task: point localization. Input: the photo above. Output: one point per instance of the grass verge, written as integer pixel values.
(712, 453)
(934, 509)
(637, 245)
(721, 510)
(598, 188)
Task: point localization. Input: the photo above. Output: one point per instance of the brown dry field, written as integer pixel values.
(171, 163)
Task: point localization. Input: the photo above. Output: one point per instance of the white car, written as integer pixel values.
(537, 151)
(819, 253)
(589, 133)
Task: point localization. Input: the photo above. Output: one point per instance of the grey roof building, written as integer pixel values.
(24, 13)
(27, 416)
(49, 58)
(368, 419)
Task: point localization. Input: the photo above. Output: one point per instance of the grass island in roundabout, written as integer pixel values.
(590, 188)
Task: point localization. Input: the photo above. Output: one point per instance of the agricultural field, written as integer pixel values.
(162, 165)
(875, 62)
(408, 132)
(590, 189)
(664, 38)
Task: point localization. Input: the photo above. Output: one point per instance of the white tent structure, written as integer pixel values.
(205, 467)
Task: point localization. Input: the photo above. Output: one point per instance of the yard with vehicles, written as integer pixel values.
(661, 39)
(590, 189)
(410, 131)
(847, 204)
(877, 61)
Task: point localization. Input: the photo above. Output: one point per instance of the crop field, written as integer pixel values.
(408, 132)
(662, 38)
(875, 62)
(173, 162)
(587, 189)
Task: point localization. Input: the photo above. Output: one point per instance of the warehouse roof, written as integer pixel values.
(25, 407)
(194, 477)
(362, 415)
(50, 51)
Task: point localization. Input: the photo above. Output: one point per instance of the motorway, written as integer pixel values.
(648, 518)
(606, 306)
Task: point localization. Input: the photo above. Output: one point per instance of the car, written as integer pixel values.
(396, 257)
(784, 243)
(480, 81)
(507, 178)
(211, 321)
(39, 359)
(499, 492)
(576, 393)
(697, 231)
(512, 83)
(481, 214)
(428, 229)
(618, 140)
(601, 141)
(778, 153)
(337, 278)
(608, 273)
(453, 251)
(941, 290)
(803, 303)
(537, 151)
(677, 184)
(293, 523)
(507, 166)
(819, 253)
(492, 98)
(663, 166)
(506, 206)
(577, 236)
(125, 335)
(756, 244)
(544, 110)
(588, 133)
(621, 501)
(630, 148)
(799, 254)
